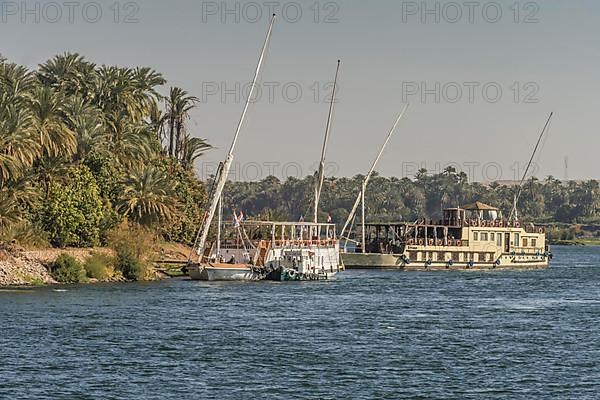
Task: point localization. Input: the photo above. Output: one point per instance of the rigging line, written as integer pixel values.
(530, 161)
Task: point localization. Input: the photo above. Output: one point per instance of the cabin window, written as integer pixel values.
(499, 239)
(441, 257)
(492, 237)
(412, 256)
(524, 242)
(484, 236)
(475, 236)
(533, 242)
(517, 239)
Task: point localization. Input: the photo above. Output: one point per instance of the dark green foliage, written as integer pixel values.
(73, 211)
(129, 263)
(66, 269)
(393, 199)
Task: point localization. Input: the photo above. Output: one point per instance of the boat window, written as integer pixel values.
(517, 239)
(492, 237)
(524, 242)
(475, 236)
(484, 236)
(533, 242)
(499, 239)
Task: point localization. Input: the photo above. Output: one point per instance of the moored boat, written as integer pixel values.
(471, 237)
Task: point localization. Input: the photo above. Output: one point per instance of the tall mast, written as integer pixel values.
(222, 176)
(220, 222)
(321, 174)
(514, 213)
(368, 177)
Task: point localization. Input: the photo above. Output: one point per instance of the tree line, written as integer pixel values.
(393, 199)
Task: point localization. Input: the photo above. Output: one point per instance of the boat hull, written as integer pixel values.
(223, 272)
(288, 275)
(397, 261)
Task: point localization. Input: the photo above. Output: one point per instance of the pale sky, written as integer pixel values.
(389, 54)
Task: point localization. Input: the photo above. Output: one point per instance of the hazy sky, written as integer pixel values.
(543, 56)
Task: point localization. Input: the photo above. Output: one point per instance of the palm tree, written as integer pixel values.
(55, 137)
(70, 74)
(147, 196)
(87, 123)
(127, 141)
(192, 149)
(178, 104)
(19, 145)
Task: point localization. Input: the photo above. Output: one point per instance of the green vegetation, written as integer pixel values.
(85, 147)
(66, 269)
(133, 245)
(393, 199)
(99, 266)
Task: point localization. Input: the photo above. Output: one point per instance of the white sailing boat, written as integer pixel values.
(208, 268)
(261, 250)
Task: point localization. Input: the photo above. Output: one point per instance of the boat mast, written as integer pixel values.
(368, 176)
(514, 215)
(220, 222)
(362, 195)
(222, 176)
(321, 173)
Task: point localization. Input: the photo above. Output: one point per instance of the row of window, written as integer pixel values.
(488, 236)
(497, 237)
(446, 257)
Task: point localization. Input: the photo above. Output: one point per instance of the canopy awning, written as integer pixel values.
(479, 206)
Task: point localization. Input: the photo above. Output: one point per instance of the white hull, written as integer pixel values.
(216, 273)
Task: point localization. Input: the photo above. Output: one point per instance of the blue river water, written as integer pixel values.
(368, 334)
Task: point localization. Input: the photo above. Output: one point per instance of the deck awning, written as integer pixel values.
(479, 206)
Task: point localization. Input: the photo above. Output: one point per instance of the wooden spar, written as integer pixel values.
(321, 173)
(514, 213)
(366, 180)
(222, 176)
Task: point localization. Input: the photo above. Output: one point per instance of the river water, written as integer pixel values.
(369, 334)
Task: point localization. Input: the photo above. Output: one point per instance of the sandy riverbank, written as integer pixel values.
(20, 267)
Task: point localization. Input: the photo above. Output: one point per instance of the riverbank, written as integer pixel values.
(23, 267)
